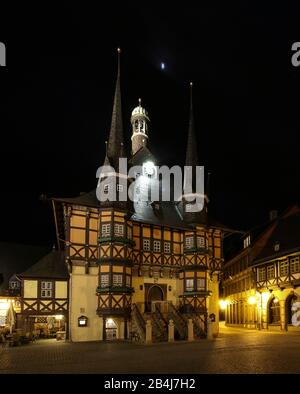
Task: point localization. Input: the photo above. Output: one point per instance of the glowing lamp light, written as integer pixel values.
(59, 317)
(162, 66)
(252, 300)
(4, 305)
(149, 168)
(110, 321)
(223, 304)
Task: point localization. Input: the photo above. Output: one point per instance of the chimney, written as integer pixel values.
(273, 214)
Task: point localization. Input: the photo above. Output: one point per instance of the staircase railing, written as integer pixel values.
(162, 324)
(180, 322)
(139, 322)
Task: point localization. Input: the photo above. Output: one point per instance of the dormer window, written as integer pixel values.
(277, 247)
(119, 187)
(247, 242)
(106, 188)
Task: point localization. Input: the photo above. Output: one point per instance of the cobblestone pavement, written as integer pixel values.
(234, 351)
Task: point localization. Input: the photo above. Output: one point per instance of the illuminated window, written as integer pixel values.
(104, 280)
(156, 246)
(200, 242)
(146, 244)
(128, 281)
(261, 274)
(189, 284)
(106, 188)
(46, 289)
(284, 268)
(129, 232)
(247, 242)
(119, 230)
(294, 265)
(200, 284)
(120, 188)
(167, 247)
(118, 280)
(277, 246)
(14, 285)
(189, 242)
(105, 230)
(270, 271)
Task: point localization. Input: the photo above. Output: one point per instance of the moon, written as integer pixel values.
(162, 66)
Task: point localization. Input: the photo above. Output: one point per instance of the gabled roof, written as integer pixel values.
(15, 258)
(286, 233)
(51, 266)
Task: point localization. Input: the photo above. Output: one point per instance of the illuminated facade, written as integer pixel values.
(261, 283)
(130, 263)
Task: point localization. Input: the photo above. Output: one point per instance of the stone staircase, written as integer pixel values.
(160, 323)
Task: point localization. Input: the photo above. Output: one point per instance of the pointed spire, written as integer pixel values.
(116, 130)
(191, 150)
(106, 160)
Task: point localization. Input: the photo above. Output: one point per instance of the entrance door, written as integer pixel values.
(111, 330)
(155, 293)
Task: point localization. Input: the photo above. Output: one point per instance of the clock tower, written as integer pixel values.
(139, 121)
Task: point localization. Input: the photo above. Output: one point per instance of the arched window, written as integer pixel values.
(274, 311)
(290, 301)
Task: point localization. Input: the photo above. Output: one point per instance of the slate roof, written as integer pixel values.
(168, 214)
(50, 266)
(15, 258)
(287, 234)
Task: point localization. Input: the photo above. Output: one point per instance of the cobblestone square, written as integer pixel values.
(234, 351)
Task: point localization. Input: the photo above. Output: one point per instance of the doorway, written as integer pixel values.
(154, 293)
(111, 330)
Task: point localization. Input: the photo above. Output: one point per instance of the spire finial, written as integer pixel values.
(140, 101)
(105, 147)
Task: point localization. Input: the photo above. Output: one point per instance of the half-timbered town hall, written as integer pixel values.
(133, 264)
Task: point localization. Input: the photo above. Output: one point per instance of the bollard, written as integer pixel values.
(171, 331)
(190, 330)
(148, 331)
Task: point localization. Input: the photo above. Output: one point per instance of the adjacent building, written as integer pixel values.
(261, 281)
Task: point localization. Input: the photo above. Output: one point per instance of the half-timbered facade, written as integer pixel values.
(270, 296)
(44, 292)
(134, 261)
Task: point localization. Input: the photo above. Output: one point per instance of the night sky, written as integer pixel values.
(57, 92)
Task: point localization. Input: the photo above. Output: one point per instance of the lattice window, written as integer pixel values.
(189, 284)
(295, 264)
(200, 242)
(167, 247)
(156, 246)
(120, 187)
(128, 281)
(105, 230)
(270, 271)
(119, 230)
(261, 274)
(104, 282)
(106, 188)
(14, 284)
(200, 284)
(146, 244)
(46, 289)
(189, 242)
(117, 280)
(284, 268)
(247, 242)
